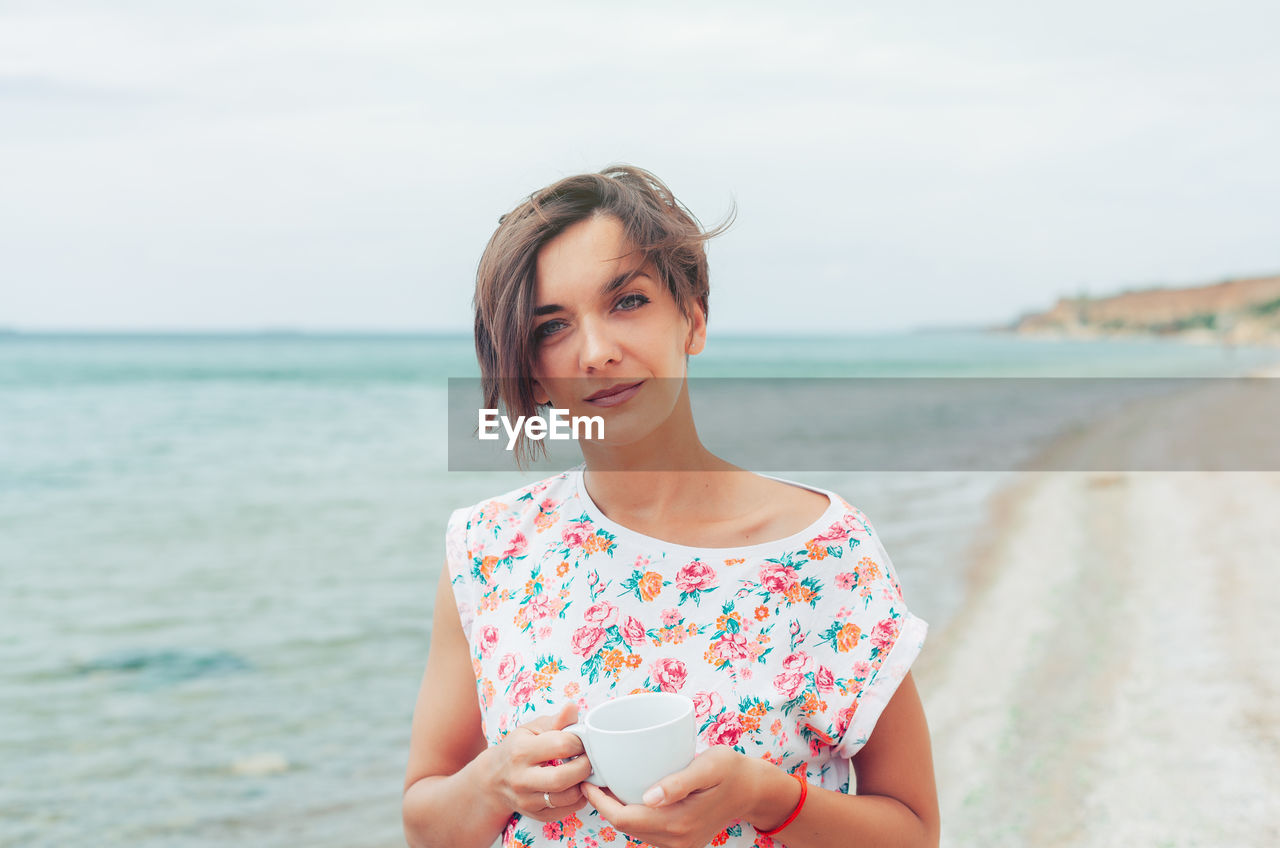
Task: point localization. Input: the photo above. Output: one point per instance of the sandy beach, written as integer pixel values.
(1114, 678)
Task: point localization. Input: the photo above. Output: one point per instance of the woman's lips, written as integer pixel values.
(617, 397)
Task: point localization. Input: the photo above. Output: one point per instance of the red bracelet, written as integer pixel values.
(804, 793)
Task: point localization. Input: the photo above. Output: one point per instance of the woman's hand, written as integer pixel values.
(688, 808)
(522, 774)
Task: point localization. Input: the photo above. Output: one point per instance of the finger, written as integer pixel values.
(608, 806)
(568, 715)
(704, 772)
(634, 819)
(558, 745)
(556, 813)
(558, 778)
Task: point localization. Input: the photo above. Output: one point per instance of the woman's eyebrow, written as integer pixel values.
(607, 289)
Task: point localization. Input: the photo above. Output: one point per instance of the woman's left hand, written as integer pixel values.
(685, 809)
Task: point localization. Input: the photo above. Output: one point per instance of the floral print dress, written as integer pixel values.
(790, 649)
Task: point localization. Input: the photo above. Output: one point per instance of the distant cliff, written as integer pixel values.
(1237, 311)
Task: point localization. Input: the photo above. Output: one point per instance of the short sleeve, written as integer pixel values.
(458, 560)
(888, 639)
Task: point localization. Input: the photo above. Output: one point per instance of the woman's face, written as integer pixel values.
(610, 338)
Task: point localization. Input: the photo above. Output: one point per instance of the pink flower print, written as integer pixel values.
(825, 680)
(544, 632)
(488, 640)
(633, 631)
(669, 674)
(885, 633)
(862, 669)
(695, 577)
(519, 544)
(507, 666)
(552, 830)
(798, 661)
(522, 688)
(575, 535)
(642, 563)
(548, 505)
(671, 617)
(726, 730)
(788, 683)
(706, 703)
(835, 534)
(732, 646)
(794, 629)
(592, 579)
(777, 578)
(587, 639)
(539, 606)
(601, 614)
(843, 720)
(846, 581)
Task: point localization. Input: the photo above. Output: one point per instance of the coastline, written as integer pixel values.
(1110, 678)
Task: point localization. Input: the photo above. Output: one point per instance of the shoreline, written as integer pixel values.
(1108, 678)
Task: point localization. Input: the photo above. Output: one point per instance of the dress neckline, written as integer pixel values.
(798, 539)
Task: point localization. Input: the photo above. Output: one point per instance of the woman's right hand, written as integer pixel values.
(522, 774)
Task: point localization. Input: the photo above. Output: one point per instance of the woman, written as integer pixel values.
(654, 566)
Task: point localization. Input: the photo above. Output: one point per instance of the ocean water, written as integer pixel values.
(218, 557)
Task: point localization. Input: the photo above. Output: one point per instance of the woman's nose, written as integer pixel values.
(599, 347)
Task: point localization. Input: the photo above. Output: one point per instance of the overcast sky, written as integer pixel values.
(330, 165)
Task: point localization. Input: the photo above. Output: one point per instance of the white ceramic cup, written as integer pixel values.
(636, 740)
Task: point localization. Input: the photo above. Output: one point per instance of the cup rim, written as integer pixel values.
(687, 702)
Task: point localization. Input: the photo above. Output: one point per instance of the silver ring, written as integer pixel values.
(547, 797)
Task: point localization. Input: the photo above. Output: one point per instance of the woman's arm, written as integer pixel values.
(896, 804)
(897, 800)
(450, 767)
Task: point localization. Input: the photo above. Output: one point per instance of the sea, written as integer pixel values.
(218, 555)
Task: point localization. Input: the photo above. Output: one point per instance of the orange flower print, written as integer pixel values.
(633, 660)
(486, 567)
(730, 623)
(735, 561)
(650, 585)
(815, 550)
(608, 834)
(762, 612)
(847, 637)
(571, 690)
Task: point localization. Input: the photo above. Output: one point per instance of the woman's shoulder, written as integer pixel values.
(841, 518)
(528, 500)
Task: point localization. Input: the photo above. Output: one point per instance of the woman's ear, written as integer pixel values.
(540, 395)
(697, 338)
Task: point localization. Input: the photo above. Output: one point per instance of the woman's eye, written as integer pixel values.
(547, 329)
(635, 300)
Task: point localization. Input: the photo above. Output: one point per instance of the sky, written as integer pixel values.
(341, 165)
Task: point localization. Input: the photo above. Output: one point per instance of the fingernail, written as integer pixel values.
(654, 796)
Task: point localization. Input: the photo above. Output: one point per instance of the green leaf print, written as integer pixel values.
(591, 668)
(815, 585)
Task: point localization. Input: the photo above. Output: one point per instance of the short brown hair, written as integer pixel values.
(655, 223)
